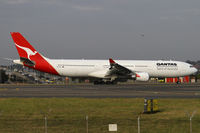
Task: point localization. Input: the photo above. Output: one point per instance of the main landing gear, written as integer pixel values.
(105, 82)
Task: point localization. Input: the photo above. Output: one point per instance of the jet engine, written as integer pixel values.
(142, 76)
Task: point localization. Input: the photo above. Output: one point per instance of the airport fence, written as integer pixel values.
(58, 124)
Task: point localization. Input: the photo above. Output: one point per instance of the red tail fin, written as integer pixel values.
(23, 47)
(29, 56)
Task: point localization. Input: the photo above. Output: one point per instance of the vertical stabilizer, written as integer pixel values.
(29, 56)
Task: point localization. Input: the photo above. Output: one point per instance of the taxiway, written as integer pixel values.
(103, 91)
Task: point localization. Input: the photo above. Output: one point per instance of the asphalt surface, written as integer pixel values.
(103, 91)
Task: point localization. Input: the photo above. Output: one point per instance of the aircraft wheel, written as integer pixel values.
(114, 82)
(99, 82)
(96, 82)
(111, 82)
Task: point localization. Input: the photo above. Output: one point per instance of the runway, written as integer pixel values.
(102, 91)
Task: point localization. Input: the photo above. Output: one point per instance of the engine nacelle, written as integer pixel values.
(142, 76)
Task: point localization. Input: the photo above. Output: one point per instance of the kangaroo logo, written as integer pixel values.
(28, 51)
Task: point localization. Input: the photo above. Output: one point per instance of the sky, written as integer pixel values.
(102, 29)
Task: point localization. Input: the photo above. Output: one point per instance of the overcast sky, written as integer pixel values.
(100, 29)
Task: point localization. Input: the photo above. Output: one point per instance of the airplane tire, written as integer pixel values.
(106, 83)
(98, 82)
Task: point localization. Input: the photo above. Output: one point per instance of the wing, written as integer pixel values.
(119, 70)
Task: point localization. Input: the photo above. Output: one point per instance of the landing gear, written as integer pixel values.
(98, 82)
(111, 82)
(105, 82)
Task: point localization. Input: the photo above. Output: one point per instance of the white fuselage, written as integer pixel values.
(98, 68)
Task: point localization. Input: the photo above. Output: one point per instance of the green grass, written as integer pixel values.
(67, 115)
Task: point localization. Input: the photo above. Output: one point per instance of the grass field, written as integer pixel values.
(67, 115)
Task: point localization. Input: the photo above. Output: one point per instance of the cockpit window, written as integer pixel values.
(191, 66)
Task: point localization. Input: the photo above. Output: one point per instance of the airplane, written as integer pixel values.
(104, 71)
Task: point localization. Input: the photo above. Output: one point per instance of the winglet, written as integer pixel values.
(111, 61)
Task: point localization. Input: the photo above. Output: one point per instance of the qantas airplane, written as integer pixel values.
(105, 71)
